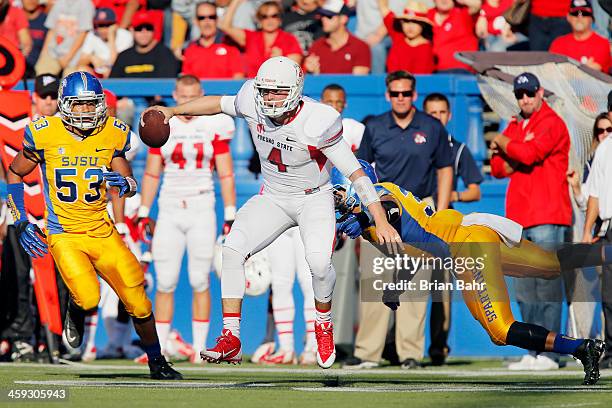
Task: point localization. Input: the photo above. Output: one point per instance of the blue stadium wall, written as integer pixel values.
(365, 96)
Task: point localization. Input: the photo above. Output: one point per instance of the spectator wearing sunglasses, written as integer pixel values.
(222, 60)
(581, 285)
(410, 149)
(598, 223)
(583, 44)
(602, 128)
(269, 41)
(148, 58)
(102, 45)
(533, 152)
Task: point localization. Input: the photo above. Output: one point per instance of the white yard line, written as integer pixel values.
(445, 388)
(465, 372)
(128, 384)
(401, 388)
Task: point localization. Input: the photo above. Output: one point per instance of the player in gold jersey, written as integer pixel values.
(74, 152)
(495, 241)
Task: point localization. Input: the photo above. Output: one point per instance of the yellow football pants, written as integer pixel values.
(490, 304)
(80, 258)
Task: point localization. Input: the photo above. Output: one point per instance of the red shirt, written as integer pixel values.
(456, 33)
(538, 192)
(550, 8)
(256, 52)
(495, 15)
(415, 59)
(14, 21)
(342, 61)
(216, 61)
(595, 46)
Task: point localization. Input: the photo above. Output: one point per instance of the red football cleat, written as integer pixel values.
(228, 349)
(326, 350)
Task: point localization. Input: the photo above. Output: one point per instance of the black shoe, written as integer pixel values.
(74, 326)
(162, 370)
(409, 364)
(438, 360)
(589, 353)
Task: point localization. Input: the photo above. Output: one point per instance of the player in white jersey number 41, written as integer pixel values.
(298, 141)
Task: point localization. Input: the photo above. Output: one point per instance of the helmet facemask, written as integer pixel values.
(83, 120)
(278, 74)
(276, 108)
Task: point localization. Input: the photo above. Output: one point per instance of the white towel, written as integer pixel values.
(509, 231)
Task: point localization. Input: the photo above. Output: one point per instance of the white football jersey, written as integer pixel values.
(189, 154)
(290, 154)
(353, 132)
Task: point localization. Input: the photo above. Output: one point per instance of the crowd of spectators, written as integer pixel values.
(230, 38)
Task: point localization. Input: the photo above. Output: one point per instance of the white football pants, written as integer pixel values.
(184, 224)
(266, 216)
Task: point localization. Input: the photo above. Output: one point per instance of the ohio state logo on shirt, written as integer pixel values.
(420, 138)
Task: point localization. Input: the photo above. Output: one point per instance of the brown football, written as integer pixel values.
(152, 129)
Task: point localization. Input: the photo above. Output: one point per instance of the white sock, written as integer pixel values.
(323, 316)
(231, 322)
(163, 331)
(199, 329)
(309, 318)
(283, 320)
(91, 325)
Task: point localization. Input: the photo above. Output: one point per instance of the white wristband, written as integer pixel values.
(365, 190)
(229, 213)
(122, 228)
(143, 211)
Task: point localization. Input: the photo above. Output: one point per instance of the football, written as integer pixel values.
(152, 129)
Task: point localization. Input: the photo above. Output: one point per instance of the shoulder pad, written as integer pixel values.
(320, 119)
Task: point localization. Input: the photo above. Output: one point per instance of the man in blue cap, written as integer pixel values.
(533, 152)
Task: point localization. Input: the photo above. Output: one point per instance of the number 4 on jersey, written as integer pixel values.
(275, 158)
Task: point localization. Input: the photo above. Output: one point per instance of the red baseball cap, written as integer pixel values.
(143, 17)
(581, 5)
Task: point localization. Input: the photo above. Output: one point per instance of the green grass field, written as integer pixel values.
(473, 383)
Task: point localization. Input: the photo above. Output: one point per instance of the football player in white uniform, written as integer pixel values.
(287, 260)
(298, 141)
(186, 216)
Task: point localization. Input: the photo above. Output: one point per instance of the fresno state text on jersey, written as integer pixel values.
(290, 154)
